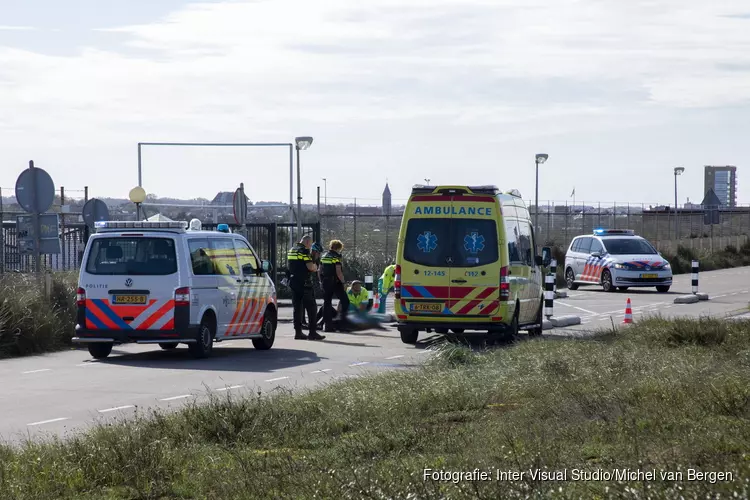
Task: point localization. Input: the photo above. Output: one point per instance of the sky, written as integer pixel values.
(457, 92)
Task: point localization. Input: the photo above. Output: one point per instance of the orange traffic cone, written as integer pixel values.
(375, 301)
(628, 314)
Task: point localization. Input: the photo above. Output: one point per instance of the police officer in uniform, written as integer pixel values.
(301, 272)
(333, 284)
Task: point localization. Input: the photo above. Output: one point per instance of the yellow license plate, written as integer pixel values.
(649, 275)
(434, 308)
(129, 299)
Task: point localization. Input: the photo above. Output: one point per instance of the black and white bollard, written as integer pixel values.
(549, 294)
(368, 287)
(695, 276)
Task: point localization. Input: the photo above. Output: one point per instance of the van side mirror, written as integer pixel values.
(546, 256)
(538, 261)
(596, 254)
(265, 266)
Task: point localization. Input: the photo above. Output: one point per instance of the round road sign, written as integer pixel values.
(94, 210)
(35, 197)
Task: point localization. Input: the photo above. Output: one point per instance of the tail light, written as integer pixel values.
(182, 296)
(397, 283)
(80, 297)
(504, 284)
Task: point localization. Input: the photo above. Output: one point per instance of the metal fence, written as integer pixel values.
(372, 239)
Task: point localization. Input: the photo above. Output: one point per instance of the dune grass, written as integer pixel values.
(663, 395)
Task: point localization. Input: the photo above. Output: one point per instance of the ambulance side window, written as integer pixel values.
(200, 257)
(512, 235)
(525, 248)
(224, 256)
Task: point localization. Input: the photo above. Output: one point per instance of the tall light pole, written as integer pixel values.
(540, 158)
(302, 143)
(677, 171)
(325, 192)
(427, 181)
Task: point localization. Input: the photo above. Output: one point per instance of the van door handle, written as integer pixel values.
(458, 281)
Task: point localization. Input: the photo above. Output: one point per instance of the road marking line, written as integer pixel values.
(49, 421)
(745, 291)
(177, 397)
(116, 408)
(37, 371)
(396, 357)
(575, 307)
(230, 387)
(89, 363)
(324, 370)
(426, 351)
(360, 363)
(275, 379)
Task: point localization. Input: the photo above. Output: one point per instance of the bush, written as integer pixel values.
(30, 322)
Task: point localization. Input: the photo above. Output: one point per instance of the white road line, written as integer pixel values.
(745, 291)
(49, 421)
(177, 397)
(426, 351)
(575, 307)
(719, 296)
(90, 363)
(360, 363)
(37, 371)
(324, 370)
(116, 408)
(228, 388)
(275, 379)
(396, 356)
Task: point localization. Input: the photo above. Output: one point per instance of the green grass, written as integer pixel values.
(664, 395)
(31, 323)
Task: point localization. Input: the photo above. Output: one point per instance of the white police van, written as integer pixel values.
(616, 259)
(160, 283)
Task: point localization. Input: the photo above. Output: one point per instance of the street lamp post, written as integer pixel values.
(302, 143)
(325, 192)
(540, 158)
(137, 195)
(677, 171)
(427, 181)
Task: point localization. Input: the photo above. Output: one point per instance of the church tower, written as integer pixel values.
(386, 200)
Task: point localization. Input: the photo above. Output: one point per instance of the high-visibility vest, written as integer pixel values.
(388, 277)
(357, 299)
(298, 257)
(328, 262)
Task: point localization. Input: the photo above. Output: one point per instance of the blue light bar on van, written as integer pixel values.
(603, 232)
(140, 225)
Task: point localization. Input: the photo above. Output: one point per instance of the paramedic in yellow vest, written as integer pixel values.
(385, 285)
(358, 298)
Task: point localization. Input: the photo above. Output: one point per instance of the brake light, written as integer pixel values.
(397, 283)
(504, 284)
(80, 297)
(182, 296)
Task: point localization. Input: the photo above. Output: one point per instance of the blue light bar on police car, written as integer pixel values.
(603, 232)
(140, 225)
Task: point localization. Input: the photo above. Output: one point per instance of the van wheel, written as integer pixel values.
(268, 330)
(537, 332)
(570, 279)
(168, 345)
(100, 351)
(204, 343)
(408, 336)
(607, 281)
(622, 288)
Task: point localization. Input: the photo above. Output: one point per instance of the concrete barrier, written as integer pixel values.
(547, 325)
(702, 296)
(561, 294)
(686, 299)
(562, 321)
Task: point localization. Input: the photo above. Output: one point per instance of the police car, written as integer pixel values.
(162, 283)
(616, 259)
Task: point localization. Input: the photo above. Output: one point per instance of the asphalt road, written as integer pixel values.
(65, 391)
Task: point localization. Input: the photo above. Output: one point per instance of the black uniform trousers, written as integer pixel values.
(303, 300)
(332, 287)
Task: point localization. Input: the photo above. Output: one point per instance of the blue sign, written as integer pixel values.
(427, 241)
(474, 242)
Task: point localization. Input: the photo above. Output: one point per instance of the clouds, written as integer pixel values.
(525, 69)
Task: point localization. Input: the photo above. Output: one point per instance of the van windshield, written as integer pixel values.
(441, 242)
(137, 256)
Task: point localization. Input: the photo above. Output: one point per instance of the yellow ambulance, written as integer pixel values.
(467, 262)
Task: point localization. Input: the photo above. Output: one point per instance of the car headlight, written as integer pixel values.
(667, 267)
(621, 266)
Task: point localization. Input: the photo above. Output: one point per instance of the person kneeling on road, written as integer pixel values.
(358, 298)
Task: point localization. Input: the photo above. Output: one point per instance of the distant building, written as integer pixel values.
(723, 180)
(387, 207)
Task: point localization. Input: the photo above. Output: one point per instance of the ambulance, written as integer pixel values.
(162, 283)
(467, 262)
